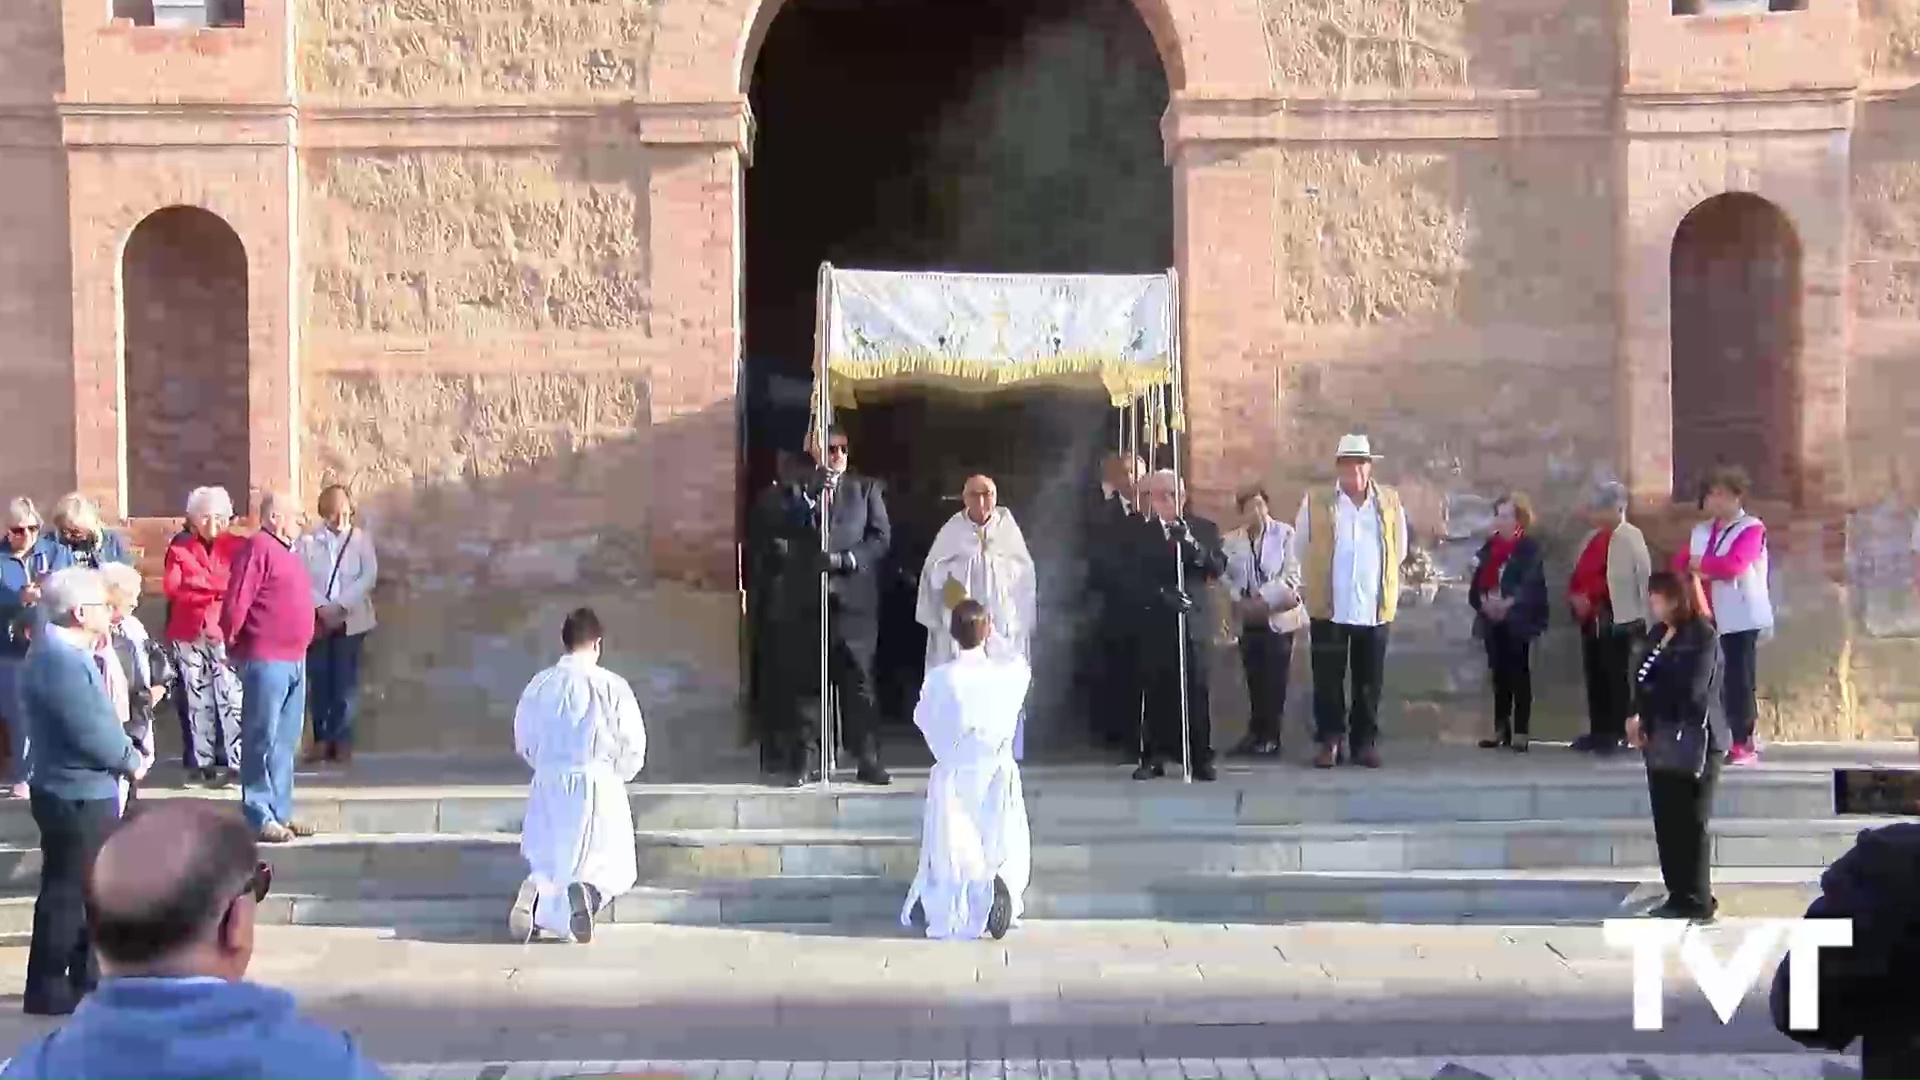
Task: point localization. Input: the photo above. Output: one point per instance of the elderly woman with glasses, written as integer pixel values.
(80, 538)
(23, 563)
(198, 565)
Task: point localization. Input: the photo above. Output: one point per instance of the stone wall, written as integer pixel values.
(1380, 47)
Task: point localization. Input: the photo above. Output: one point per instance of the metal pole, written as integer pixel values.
(825, 727)
(1173, 448)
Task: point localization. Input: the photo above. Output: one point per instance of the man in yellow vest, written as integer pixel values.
(1351, 540)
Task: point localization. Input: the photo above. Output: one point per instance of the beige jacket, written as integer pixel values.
(1629, 565)
(359, 569)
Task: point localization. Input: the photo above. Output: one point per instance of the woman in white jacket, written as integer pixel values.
(1265, 578)
(340, 560)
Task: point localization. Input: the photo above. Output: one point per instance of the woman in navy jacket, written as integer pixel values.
(1509, 599)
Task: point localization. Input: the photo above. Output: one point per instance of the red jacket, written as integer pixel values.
(196, 583)
(268, 612)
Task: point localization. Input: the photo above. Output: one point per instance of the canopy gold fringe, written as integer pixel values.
(1123, 379)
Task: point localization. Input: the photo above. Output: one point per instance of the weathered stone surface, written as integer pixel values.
(418, 50)
(1375, 46)
(477, 243)
(1890, 39)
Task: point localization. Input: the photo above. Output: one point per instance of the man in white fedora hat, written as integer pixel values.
(1350, 540)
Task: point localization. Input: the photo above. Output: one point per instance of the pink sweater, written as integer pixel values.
(1745, 550)
(268, 610)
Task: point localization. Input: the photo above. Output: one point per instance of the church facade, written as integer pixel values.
(483, 261)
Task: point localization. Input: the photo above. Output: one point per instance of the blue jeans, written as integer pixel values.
(333, 676)
(273, 706)
(20, 763)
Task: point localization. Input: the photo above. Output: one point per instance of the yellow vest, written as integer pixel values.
(1321, 535)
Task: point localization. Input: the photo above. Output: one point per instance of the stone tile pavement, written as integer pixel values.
(1588, 1067)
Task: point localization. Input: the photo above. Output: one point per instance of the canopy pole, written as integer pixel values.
(828, 736)
(1176, 410)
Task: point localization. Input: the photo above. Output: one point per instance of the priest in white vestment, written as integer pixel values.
(980, 555)
(975, 852)
(579, 727)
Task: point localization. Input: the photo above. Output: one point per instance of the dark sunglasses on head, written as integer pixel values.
(259, 883)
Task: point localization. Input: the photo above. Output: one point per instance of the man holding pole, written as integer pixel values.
(857, 537)
(1176, 557)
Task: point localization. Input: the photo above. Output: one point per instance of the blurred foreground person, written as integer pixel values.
(579, 726)
(975, 852)
(172, 905)
(1866, 989)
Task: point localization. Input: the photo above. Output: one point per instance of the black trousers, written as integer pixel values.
(1340, 650)
(1510, 659)
(1160, 731)
(1114, 693)
(60, 963)
(1740, 680)
(1606, 660)
(1682, 806)
(791, 700)
(1267, 657)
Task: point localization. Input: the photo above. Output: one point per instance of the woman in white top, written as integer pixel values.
(1727, 560)
(341, 564)
(1266, 608)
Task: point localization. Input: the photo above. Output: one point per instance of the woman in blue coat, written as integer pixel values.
(1509, 599)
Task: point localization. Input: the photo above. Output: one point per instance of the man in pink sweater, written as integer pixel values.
(267, 620)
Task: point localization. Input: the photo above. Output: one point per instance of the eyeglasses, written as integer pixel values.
(837, 448)
(259, 883)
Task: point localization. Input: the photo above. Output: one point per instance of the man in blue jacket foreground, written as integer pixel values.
(171, 905)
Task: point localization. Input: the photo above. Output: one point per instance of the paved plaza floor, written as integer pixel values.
(1125, 999)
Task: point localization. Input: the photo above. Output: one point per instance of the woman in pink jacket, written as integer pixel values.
(1727, 559)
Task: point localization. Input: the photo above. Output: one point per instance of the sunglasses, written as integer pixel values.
(23, 530)
(837, 448)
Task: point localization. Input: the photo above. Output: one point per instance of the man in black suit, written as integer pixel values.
(1175, 557)
(858, 538)
(1112, 679)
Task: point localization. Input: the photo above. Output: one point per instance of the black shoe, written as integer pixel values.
(1607, 747)
(1520, 744)
(1674, 909)
(218, 778)
(1703, 917)
(1253, 746)
(1149, 772)
(1000, 915)
(1498, 742)
(917, 918)
(580, 923)
(871, 772)
(1203, 771)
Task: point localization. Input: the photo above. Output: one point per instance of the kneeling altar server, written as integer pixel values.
(579, 726)
(975, 853)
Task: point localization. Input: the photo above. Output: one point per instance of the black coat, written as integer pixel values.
(1867, 990)
(158, 672)
(1524, 578)
(1156, 576)
(1684, 687)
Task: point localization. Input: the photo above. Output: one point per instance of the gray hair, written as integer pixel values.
(120, 581)
(1611, 495)
(78, 511)
(275, 502)
(1167, 479)
(69, 589)
(21, 510)
(213, 501)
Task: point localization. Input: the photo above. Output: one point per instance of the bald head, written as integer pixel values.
(162, 883)
(981, 496)
(279, 514)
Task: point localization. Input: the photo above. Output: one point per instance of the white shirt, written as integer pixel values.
(1357, 552)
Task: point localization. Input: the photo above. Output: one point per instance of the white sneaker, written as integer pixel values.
(520, 919)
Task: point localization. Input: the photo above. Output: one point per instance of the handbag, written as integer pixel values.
(1681, 748)
(320, 627)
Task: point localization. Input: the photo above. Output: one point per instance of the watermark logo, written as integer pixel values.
(1726, 984)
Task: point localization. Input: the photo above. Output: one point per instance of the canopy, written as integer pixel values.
(982, 332)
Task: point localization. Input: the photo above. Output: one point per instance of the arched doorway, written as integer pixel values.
(183, 291)
(1018, 136)
(1737, 338)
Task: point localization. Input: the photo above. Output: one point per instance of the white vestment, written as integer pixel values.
(975, 823)
(988, 563)
(579, 726)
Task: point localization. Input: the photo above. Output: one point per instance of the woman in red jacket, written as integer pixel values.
(198, 563)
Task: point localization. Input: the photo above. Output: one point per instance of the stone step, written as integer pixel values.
(345, 866)
(1610, 790)
(1519, 897)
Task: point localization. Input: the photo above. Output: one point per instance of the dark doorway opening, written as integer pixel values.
(1010, 136)
(1736, 345)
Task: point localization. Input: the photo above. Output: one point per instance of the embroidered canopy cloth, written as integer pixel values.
(991, 331)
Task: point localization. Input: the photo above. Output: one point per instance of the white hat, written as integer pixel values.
(1355, 446)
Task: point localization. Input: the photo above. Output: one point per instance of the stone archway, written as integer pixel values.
(1737, 338)
(183, 293)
